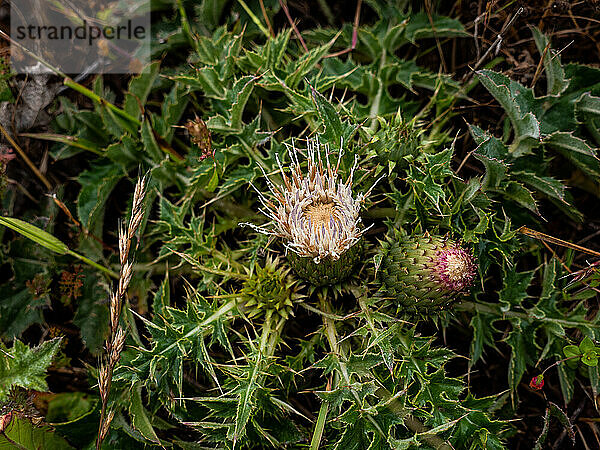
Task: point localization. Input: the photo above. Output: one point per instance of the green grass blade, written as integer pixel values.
(36, 234)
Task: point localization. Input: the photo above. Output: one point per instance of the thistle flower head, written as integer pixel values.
(316, 215)
(426, 271)
(314, 211)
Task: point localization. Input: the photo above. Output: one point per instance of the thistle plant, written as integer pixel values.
(426, 271)
(316, 215)
(232, 347)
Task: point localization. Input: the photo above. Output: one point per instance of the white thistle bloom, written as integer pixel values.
(314, 212)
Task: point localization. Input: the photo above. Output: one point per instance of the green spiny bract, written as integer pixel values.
(327, 271)
(395, 140)
(426, 271)
(270, 288)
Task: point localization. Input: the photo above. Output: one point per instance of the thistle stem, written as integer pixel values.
(335, 348)
(490, 308)
(333, 344)
(268, 341)
(377, 100)
(264, 338)
(275, 337)
(320, 426)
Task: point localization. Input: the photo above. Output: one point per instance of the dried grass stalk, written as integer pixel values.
(116, 340)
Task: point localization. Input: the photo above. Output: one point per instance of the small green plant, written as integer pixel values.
(586, 352)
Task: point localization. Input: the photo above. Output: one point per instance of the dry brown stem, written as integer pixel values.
(116, 340)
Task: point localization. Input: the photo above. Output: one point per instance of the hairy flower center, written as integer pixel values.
(458, 266)
(455, 268)
(321, 213)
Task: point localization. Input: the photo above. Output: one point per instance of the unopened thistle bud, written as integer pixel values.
(426, 271)
(270, 288)
(316, 216)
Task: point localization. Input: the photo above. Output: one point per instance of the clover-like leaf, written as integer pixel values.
(590, 358)
(586, 345)
(571, 351)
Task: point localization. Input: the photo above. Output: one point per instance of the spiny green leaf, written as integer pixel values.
(334, 130)
(547, 185)
(521, 341)
(355, 437)
(26, 367)
(566, 377)
(299, 69)
(421, 26)
(528, 135)
(139, 90)
(541, 440)
(555, 75)
(149, 142)
(206, 80)
(505, 91)
(28, 436)
(492, 153)
(96, 185)
(587, 105)
(92, 312)
(241, 92)
(520, 194)
(575, 150)
(594, 375)
(139, 415)
(162, 298)
(482, 336)
(274, 50)
(210, 11)
(563, 418)
(515, 287)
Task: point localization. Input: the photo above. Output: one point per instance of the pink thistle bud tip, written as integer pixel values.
(455, 267)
